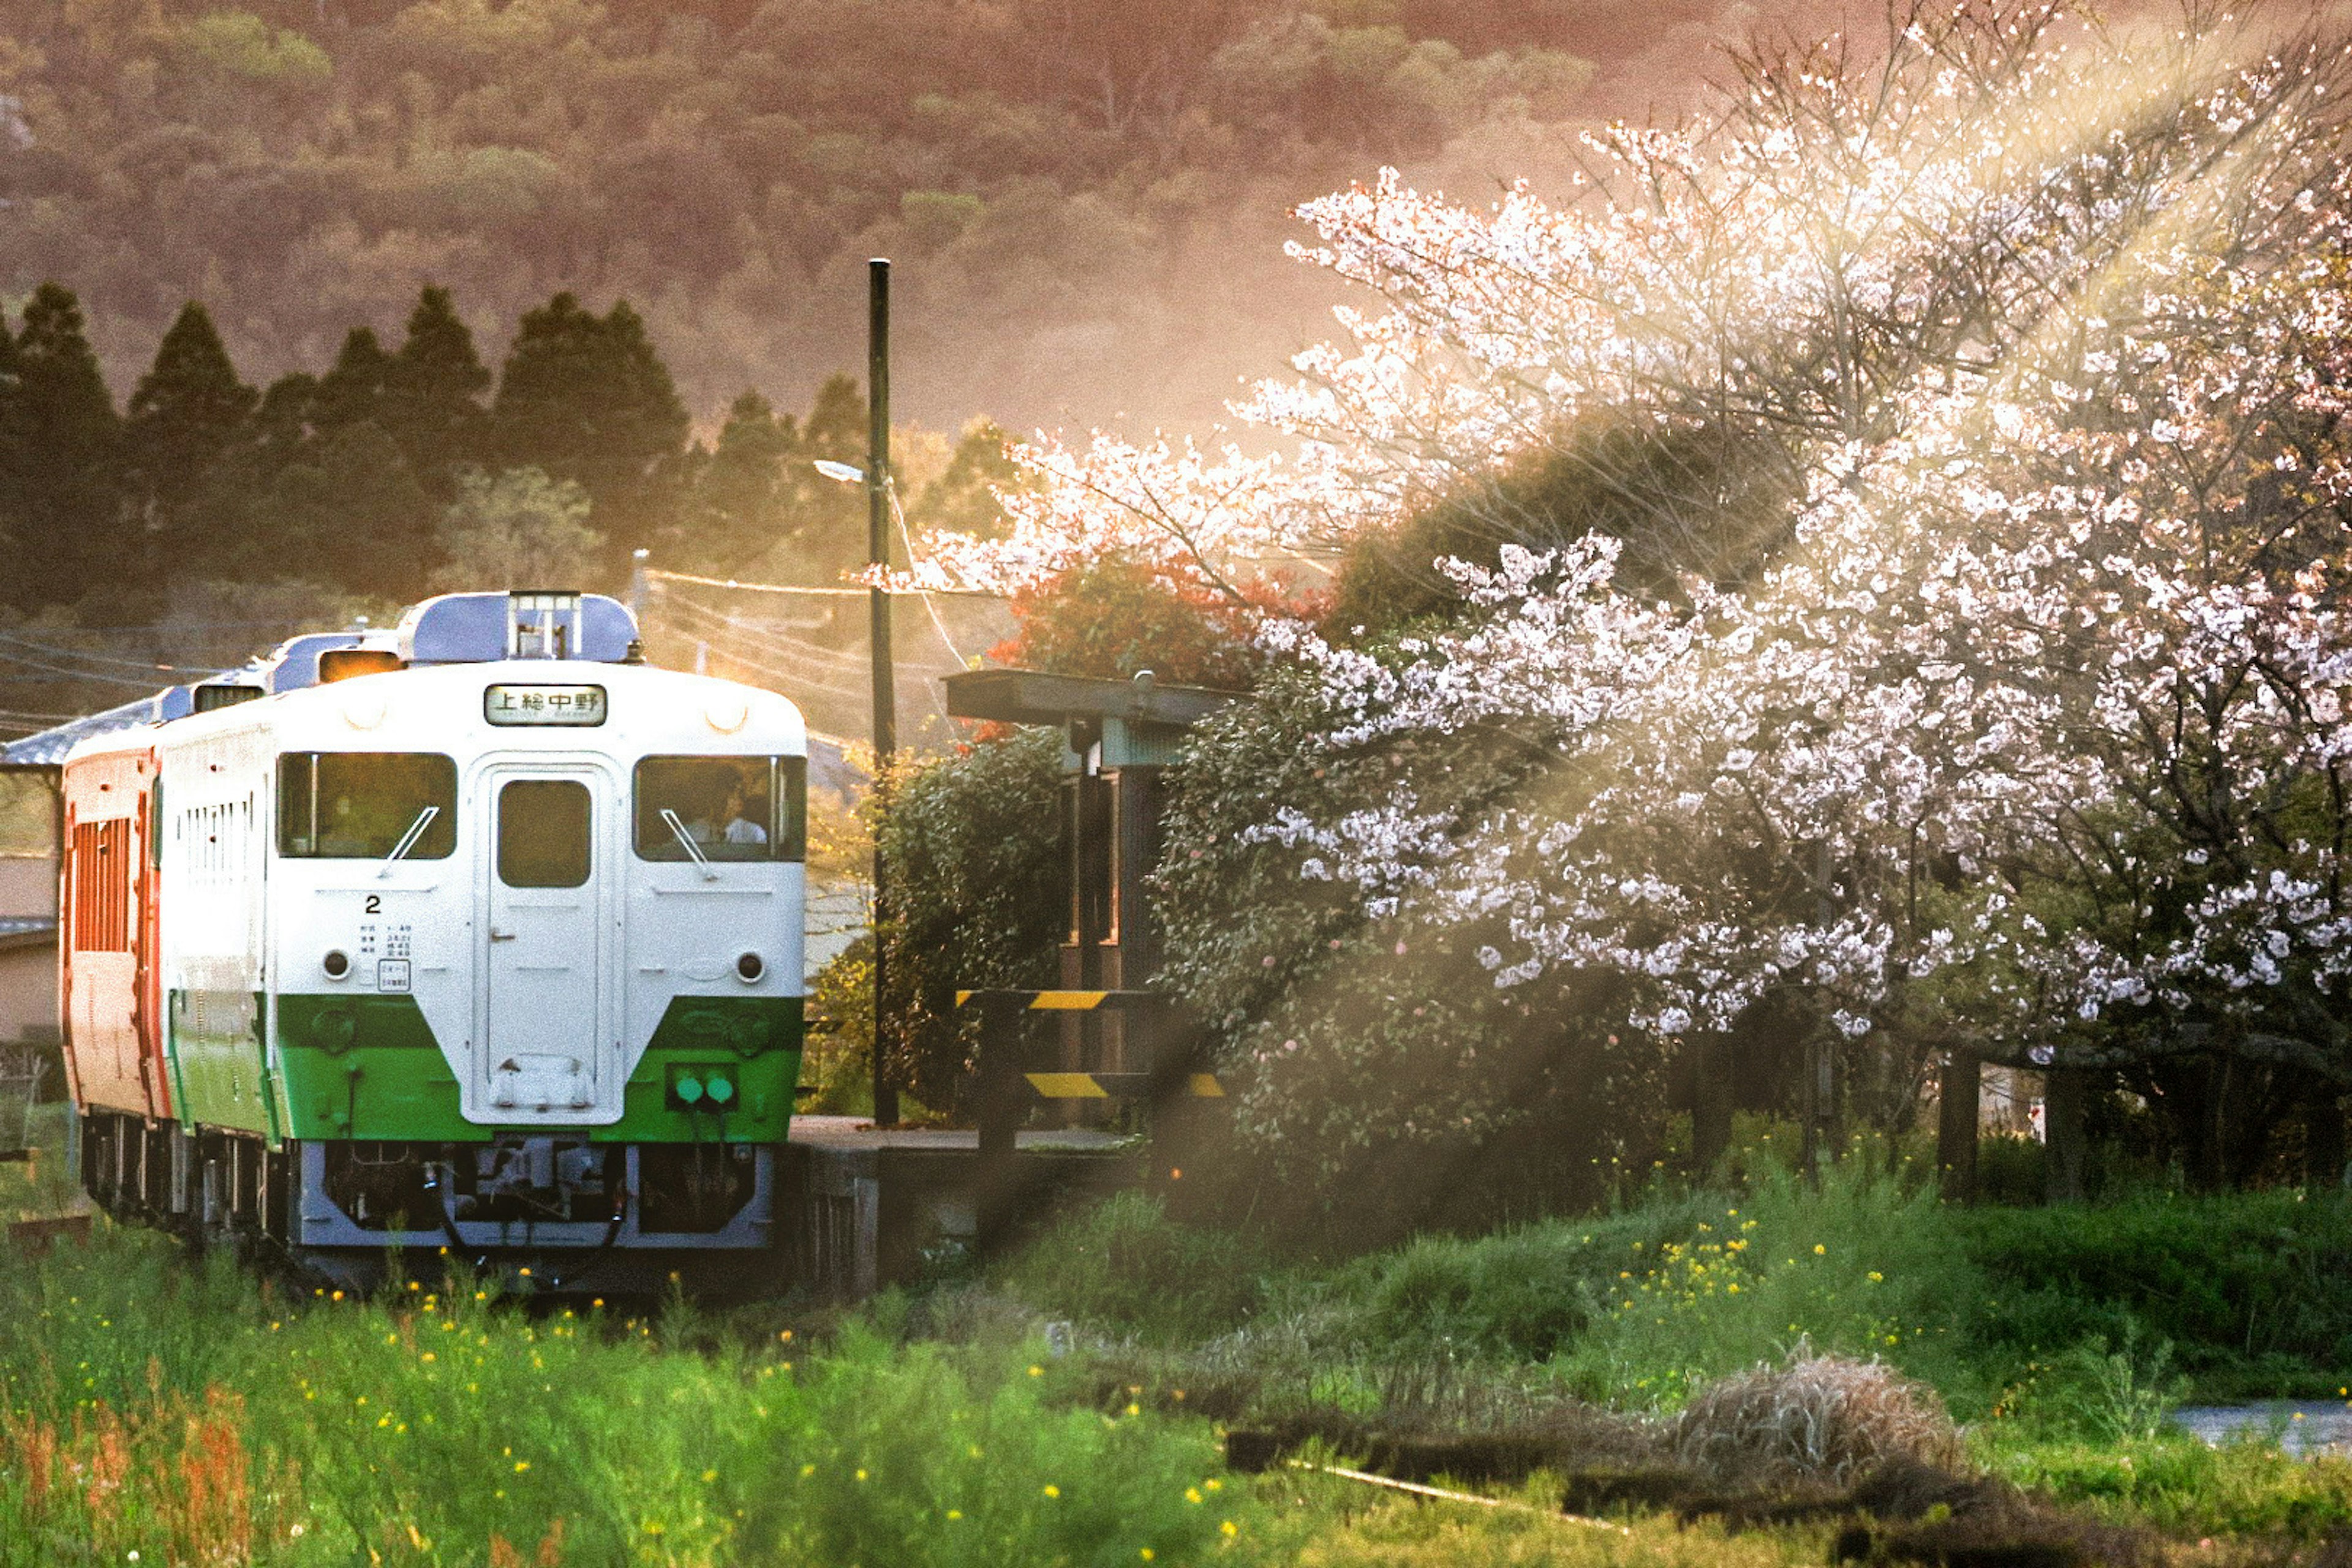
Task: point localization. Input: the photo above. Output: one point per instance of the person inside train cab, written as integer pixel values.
(741, 816)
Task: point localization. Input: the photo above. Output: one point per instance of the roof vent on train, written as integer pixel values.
(476, 628)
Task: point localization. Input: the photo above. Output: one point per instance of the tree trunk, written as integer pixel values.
(1958, 1100)
(2323, 1141)
(2064, 1095)
(1710, 1102)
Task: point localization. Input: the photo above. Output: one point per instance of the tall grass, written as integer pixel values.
(2120, 1308)
(1862, 1264)
(188, 1414)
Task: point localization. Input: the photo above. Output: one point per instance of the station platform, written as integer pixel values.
(863, 1207)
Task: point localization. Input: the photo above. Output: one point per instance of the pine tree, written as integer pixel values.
(963, 498)
(587, 399)
(349, 512)
(824, 520)
(433, 394)
(59, 441)
(732, 516)
(185, 415)
(354, 389)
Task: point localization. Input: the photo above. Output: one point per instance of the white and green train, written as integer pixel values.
(479, 935)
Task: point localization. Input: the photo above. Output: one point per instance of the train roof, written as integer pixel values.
(526, 639)
(448, 707)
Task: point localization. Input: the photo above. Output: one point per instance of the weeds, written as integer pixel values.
(185, 1416)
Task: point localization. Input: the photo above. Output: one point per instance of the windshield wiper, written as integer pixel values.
(693, 850)
(408, 839)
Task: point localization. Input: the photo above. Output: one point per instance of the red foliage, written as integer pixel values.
(1113, 617)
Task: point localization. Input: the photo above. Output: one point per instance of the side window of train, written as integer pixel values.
(361, 805)
(730, 808)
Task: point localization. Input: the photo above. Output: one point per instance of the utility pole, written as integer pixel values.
(886, 698)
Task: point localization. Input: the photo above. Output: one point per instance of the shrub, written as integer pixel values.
(975, 894)
(1386, 1084)
(2254, 1291)
(1126, 1267)
(1817, 1419)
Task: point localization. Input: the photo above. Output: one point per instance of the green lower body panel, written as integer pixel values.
(366, 1067)
(219, 1078)
(716, 1069)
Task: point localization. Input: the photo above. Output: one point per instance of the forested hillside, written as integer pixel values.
(1086, 200)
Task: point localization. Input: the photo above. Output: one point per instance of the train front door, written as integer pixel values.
(545, 1051)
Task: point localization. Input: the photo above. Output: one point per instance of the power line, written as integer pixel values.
(781, 641)
(742, 587)
(151, 684)
(56, 652)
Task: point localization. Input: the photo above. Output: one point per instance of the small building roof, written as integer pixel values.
(1034, 697)
(26, 930)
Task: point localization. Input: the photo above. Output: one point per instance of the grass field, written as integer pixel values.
(183, 1411)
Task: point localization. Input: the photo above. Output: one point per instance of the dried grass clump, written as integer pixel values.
(1819, 1421)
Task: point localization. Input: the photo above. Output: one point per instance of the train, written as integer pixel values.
(478, 935)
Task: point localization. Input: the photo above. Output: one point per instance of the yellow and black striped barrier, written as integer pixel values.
(1117, 1085)
(1090, 1085)
(1059, 1001)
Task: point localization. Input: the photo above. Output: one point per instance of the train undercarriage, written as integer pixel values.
(535, 1213)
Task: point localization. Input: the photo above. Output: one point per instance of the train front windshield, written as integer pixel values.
(721, 808)
(361, 805)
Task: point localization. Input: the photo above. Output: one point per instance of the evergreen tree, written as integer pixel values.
(433, 393)
(732, 518)
(586, 398)
(836, 422)
(289, 410)
(824, 519)
(963, 498)
(514, 529)
(349, 512)
(185, 415)
(59, 440)
(354, 389)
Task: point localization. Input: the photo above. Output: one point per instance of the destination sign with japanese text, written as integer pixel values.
(543, 704)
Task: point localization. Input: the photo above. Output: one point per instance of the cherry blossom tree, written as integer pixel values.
(1959, 650)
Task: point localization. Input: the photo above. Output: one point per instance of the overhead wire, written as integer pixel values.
(781, 641)
(56, 652)
(150, 684)
(785, 646)
(657, 573)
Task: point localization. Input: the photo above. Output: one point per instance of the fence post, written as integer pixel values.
(1959, 1096)
(1003, 1106)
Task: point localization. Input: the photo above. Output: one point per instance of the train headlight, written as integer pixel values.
(719, 1090)
(688, 1089)
(364, 710)
(750, 966)
(726, 714)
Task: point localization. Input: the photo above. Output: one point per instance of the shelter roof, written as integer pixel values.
(1034, 697)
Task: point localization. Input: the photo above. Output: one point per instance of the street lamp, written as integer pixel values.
(875, 478)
